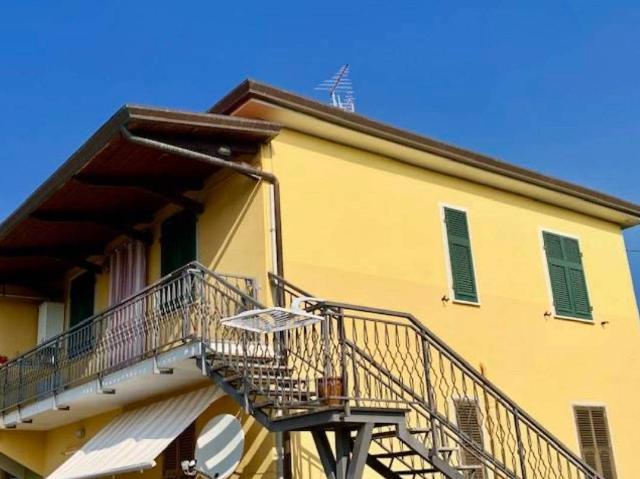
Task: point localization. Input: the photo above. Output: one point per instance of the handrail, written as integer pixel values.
(463, 363)
(178, 307)
(519, 416)
(194, 265)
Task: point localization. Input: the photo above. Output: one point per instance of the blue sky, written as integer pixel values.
(550, 85)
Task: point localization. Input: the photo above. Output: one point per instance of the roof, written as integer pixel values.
(110, 185)
(254, 90)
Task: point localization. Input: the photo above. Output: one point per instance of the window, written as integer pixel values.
(181, 449)
(566, 276)
(469, 423)
(460, 258)
(594, 438)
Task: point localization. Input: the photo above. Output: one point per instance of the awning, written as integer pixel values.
(132, 441)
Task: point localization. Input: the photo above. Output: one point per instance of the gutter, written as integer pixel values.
(243, 169)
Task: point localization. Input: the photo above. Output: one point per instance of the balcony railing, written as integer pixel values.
(175, 310)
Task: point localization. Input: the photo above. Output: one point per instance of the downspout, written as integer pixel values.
(282, 439)
(241, 168)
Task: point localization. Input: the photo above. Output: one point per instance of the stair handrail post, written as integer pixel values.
(520, 444)
(183, 287)
(344, 372)
(431, 399)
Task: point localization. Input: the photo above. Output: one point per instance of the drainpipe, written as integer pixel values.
(282, 438)
(241, 168)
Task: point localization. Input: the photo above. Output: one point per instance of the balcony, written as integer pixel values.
(140, 347)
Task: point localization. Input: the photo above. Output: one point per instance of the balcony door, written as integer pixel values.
(81, 307)
(126, 333)
(177, 248)
(178, 242)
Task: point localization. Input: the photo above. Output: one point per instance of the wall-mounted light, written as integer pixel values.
(224, 151)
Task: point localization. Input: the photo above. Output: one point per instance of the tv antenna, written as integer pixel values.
(340, 90)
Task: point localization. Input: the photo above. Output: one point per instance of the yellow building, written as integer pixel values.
(279, 288)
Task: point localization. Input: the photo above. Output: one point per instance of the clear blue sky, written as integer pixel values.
(551, 85)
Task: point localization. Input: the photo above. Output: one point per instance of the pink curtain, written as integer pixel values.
(128, 275)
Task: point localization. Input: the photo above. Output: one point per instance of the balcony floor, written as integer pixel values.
(133, 383)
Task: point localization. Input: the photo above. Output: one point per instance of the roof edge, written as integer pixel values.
(252, 89)
(109, 130)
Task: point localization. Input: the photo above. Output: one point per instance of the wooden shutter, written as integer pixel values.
(595, 441)
(181, 449)
(566, 275)
(469, 423)
(460, 257)
(177, 242)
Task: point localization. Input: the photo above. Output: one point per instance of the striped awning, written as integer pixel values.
(133, 440)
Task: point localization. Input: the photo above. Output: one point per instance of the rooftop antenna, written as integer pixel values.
(340, 90)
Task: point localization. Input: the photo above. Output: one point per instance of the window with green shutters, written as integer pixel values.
(566, 276)
(460, 257)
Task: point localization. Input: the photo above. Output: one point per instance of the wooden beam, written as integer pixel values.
(169, 193)
(109, 181)
(69, 255)
(48, 251)
(127, 217)
(96, 219)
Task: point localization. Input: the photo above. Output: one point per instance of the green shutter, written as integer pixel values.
(566, 275)
(178, 242)
(461, 260)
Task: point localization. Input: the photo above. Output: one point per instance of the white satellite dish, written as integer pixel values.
(219, 447)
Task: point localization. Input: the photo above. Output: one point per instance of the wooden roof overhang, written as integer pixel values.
(112, 187)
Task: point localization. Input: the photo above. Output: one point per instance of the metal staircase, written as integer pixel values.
(397, 398)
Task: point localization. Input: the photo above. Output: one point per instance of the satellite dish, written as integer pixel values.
(219, 447)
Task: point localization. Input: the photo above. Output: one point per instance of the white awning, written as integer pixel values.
(132, 441)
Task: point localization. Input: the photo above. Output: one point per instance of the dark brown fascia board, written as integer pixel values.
(251, 89)
(207, 121)
(140, 115)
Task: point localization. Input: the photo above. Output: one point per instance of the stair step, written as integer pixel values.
(262, 404)
(391, 455)
(232, 378)
(410, 472)
(448, 450)
(383, 434)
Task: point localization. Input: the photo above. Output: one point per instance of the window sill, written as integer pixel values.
(571, 318)
(466, 303)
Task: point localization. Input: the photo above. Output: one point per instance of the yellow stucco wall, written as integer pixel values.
(365, 229)
(232, 238)
(18, 326)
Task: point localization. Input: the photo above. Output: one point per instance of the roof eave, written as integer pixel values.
(110, 130)
(253, 90)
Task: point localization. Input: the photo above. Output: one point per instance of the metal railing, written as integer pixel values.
(378, 358)
(175, 310)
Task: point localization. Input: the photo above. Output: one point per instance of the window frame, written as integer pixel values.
(547, 277)
(447, 255)
(594, 404)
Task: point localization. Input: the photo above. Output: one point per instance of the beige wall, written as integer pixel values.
(365, 229)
